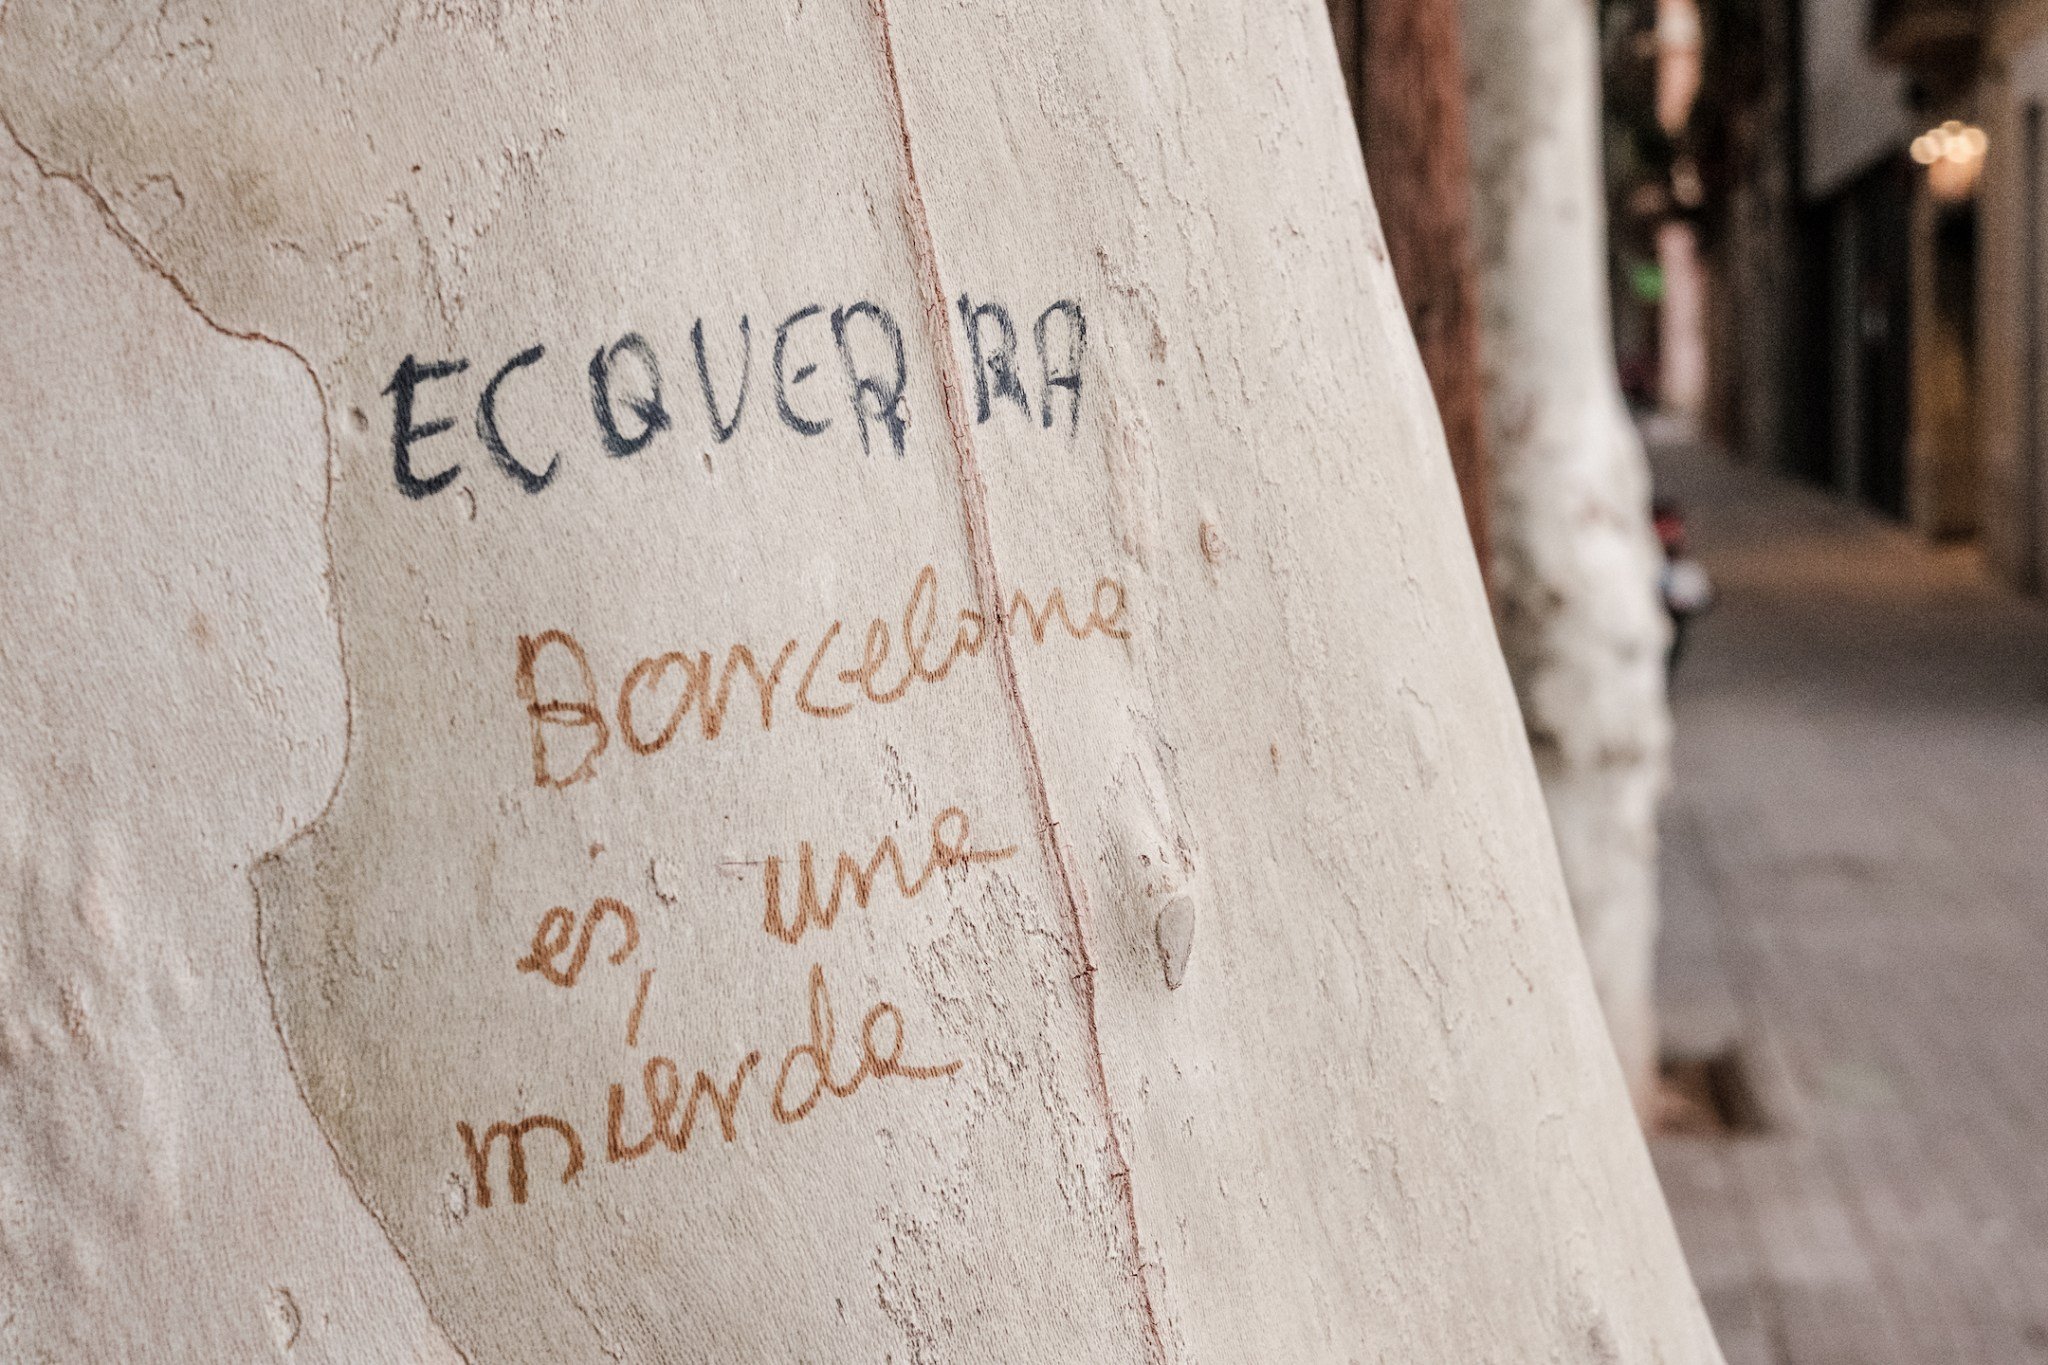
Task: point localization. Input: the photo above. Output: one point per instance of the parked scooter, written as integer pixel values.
(1683, 582)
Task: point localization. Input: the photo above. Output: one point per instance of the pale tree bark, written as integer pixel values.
(1575, 560)
(503, 497)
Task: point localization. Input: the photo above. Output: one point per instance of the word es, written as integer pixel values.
(630, 403)
(551, 939)
(949, 849)
(647, 715)
(810, 1072)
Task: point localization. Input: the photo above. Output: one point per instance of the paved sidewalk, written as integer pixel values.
(1856, 859)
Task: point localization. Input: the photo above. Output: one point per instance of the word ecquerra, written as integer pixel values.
(630, 406)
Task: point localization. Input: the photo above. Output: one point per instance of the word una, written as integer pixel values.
(630, 405)
(949, 849)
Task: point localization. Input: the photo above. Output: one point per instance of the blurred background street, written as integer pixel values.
(1856, 934)
(1824, 231)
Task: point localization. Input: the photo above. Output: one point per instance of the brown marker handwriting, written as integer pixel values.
(888, 660)
(551, 939)
(818, 1052)
(515, 1139)
(949, 848)
(663, 1086)
(810, 1071)
(639, 1006)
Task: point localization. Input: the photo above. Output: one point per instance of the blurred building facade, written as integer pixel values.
(2006, 51)
(1854, 125)
(1871, 181)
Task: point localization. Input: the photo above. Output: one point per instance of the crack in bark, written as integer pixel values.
(981, 558)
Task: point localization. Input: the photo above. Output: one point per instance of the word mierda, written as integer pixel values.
(819, 371)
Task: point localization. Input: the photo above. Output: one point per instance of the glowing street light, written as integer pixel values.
(1954, 156)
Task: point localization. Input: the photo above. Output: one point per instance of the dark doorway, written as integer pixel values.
(1882, 274)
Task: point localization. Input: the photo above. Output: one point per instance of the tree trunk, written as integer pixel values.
(854, 641)
(1575, 560)
(1409, 98)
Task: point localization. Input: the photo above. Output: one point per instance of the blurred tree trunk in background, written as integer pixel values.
(1575, 561)
(1402, 64)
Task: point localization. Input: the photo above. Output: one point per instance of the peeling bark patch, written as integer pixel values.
(1175, 935)
(285, 1320)
(240, 545)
